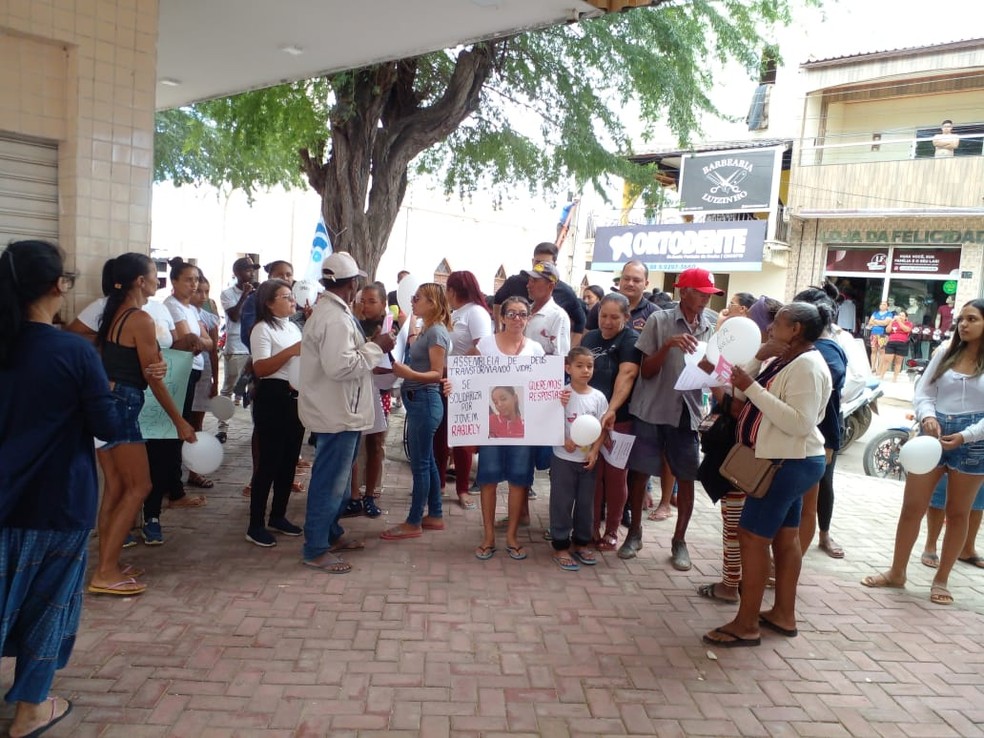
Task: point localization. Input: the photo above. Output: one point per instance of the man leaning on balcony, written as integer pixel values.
(946, 141)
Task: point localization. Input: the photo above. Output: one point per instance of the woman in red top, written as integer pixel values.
(898, 343)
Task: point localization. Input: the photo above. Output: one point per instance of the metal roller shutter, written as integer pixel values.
(28, 189)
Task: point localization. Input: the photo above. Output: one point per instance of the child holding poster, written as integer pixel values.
(572, 469)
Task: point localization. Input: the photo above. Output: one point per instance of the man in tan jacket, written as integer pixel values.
(336, 403)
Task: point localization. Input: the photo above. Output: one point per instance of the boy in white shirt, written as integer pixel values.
(572, 469)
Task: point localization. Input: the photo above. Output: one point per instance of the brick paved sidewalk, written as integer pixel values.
(421, 639)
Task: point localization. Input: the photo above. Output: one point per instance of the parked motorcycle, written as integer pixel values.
(915, 368)
(856, 413)
(881, 455)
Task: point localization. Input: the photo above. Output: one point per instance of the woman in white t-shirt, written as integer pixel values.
(511, 464)
(190, 335)
(275, 347)
(470, 322)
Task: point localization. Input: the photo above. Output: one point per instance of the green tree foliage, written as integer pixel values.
(545, 110)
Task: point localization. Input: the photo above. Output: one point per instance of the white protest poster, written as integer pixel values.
(505, 401)
(616, 449)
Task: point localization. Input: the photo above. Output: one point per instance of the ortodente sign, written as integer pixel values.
(941, 236)
(728, 181)
(720, 246)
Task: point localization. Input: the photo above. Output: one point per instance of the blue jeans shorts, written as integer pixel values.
(129, 402)
(783, 503)
(969, 458)
(512, 464)
(938, 502)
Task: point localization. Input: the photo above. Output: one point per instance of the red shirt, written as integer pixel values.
(898, 330)
(499, 427)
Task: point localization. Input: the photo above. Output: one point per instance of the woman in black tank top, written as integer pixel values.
(127, 339)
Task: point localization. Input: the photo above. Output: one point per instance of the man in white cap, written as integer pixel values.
(336, 403)
(665, 421)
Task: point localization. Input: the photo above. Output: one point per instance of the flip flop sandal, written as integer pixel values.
(880, 581)
(735, 642)
(52, 720)
(658, 514)
(200, 481)
(584, 557)
(930, 559)
(608, 543)
(567, 563)
(331, 565)
(132, 571)
(709, 592)
(973, 561)
(484, 553)
(940, 595)
(832, 549)
(297, 487)
(468, 504)
(516, 553)
(114, 589)
(398, 534)
(788, 632)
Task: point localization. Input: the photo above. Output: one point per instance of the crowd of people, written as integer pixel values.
(329, 369)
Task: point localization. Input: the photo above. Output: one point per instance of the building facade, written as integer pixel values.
(886, 196)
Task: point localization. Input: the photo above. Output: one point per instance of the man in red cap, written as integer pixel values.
(665, 421)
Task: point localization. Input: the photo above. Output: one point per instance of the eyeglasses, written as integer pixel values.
(417, 298)
(515, 315)
(67, 280)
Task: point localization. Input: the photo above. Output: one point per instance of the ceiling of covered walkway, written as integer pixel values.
(213, 48)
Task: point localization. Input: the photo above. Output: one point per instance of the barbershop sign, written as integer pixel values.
(729, 181)
(720, 246)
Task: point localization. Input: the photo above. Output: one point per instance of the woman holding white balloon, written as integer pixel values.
(949, 402)
(275, 348)
(207, 387)
(782, 405)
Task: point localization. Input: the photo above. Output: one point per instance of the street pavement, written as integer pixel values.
(422, 639)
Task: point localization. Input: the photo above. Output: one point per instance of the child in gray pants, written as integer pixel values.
(572, 469)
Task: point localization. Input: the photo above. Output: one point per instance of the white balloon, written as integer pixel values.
(306, 293)
(920, 455)
(739, 340)
(713, 353)
(203, 456)
(585, 430)
(222, 407)
(405, 290)
(694, 358)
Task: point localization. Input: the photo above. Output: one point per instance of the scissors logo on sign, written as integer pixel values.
(726, 176)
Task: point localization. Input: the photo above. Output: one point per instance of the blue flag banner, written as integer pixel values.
(320, 248)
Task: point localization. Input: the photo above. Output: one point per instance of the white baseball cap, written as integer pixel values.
(341, 265)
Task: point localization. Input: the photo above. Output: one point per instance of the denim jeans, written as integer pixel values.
(424, 412)
(329, 490)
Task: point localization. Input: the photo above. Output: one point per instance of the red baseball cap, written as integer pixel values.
(698, 279)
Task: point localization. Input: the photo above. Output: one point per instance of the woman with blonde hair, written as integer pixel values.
(422, 370)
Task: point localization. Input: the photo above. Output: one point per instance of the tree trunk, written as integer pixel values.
(377, 128)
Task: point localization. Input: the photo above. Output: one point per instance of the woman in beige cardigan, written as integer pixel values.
(778, 418)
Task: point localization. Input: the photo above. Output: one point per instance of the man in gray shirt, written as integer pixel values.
(665, 421)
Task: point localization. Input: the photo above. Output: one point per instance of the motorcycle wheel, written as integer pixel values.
(881, 455)
(850, 432)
